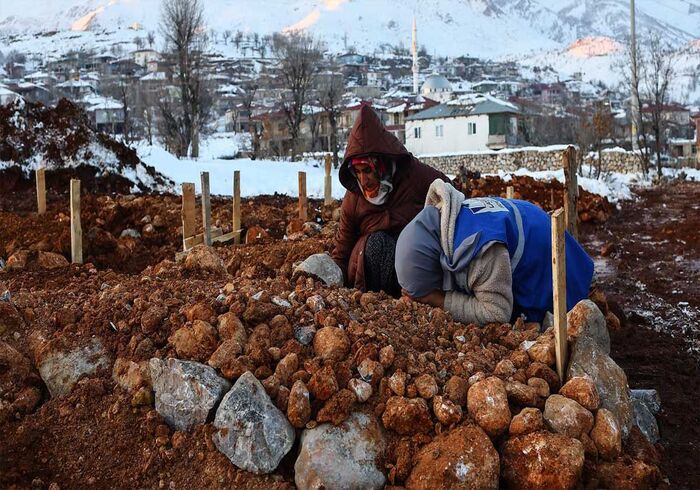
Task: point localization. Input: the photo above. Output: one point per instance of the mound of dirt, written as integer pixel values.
(61, 137)
(320, 354)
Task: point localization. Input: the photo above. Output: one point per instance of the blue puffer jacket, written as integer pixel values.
(526, 231)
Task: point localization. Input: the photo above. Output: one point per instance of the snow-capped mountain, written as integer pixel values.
(487, 28)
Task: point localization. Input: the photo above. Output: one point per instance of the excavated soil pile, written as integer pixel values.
(59, 137)
(128, 233)
(195, 373)
(549, 195)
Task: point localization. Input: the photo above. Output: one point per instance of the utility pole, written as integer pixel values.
(635, 82)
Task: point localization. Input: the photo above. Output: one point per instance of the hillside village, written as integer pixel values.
(451, 106)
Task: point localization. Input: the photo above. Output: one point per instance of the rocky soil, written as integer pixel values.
(233, 367)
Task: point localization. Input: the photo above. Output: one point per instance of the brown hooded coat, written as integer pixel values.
(359, 218)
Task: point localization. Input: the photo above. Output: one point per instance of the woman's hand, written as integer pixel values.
(435, 298)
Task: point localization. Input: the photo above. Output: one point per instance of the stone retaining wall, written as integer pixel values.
(530, 159)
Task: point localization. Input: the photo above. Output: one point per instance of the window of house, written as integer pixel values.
(416, 133)
(438, 131)
(471, 128)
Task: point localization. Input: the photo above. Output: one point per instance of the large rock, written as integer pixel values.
(60, 367)
(586, 320)
(650, 398)
(645, 420)
(323, 267)
(542, 460)
(589, 359)
(346, 456)
(583, 391)
(185, 391)
(606, 435)
(463, 458)
(331, 343)
(204, 259)
(197, 342)
(51, 260)
(567, 417)
(253, 433)
(623, 475)
(407, 416)
(10, 318)
(487, 402)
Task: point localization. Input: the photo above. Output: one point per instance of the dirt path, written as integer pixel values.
(652, 271)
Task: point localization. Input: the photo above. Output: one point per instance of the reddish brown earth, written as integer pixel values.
(651, 272)
(98, 436)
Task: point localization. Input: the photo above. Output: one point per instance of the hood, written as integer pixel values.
(369, 137)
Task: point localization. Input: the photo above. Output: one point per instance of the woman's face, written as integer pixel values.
(368, 178)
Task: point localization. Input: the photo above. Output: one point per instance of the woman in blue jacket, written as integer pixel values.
(485, 260)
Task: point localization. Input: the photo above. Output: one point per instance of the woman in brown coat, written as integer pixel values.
(386, 188)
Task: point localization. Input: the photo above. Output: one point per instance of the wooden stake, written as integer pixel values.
(188, 213)
(76, 230)
(206, 208)
(328, 188)
(41, 190)
(559, 289)
(237, 206)
(303, 206)
(571, 197)
(509, 192)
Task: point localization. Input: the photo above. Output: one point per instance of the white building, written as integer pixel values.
(471, 123)
(7, 96)
(437, 87)
(143, 56)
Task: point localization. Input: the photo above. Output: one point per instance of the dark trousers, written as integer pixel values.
(380, 273)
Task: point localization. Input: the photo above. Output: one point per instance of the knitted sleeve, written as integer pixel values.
(491, 283)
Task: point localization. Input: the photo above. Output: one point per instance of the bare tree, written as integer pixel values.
(254, 127)
(182, 25)
(330, 89)
(139, 42)
(602, 128)
(657, 74)
(226, 35)
(151, 39)
(299, 58)
(123, 91)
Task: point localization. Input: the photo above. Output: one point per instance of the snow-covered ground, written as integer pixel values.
(614, 186)
(272, 176)
(257, 176)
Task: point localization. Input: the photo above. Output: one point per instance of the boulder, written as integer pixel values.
(588, 359)
(542, 460)
(407, 416)
(463, 458)
(10, 318)
(487, 402)
(204, 259)
(299, 405)
(51, 260)
(606, 435)
(446, 412)
(358, 444)
(645, 420)
(426, 386)
(252, 432)
(361, 389)
(583, 391)
(586, 320)
(528, 420)
(60, 367)
(650, 398)
(567, 417)
(331, 343)
(185, 391)
(323, 267)
(197, 342)
(456, 390)
(623, 475)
